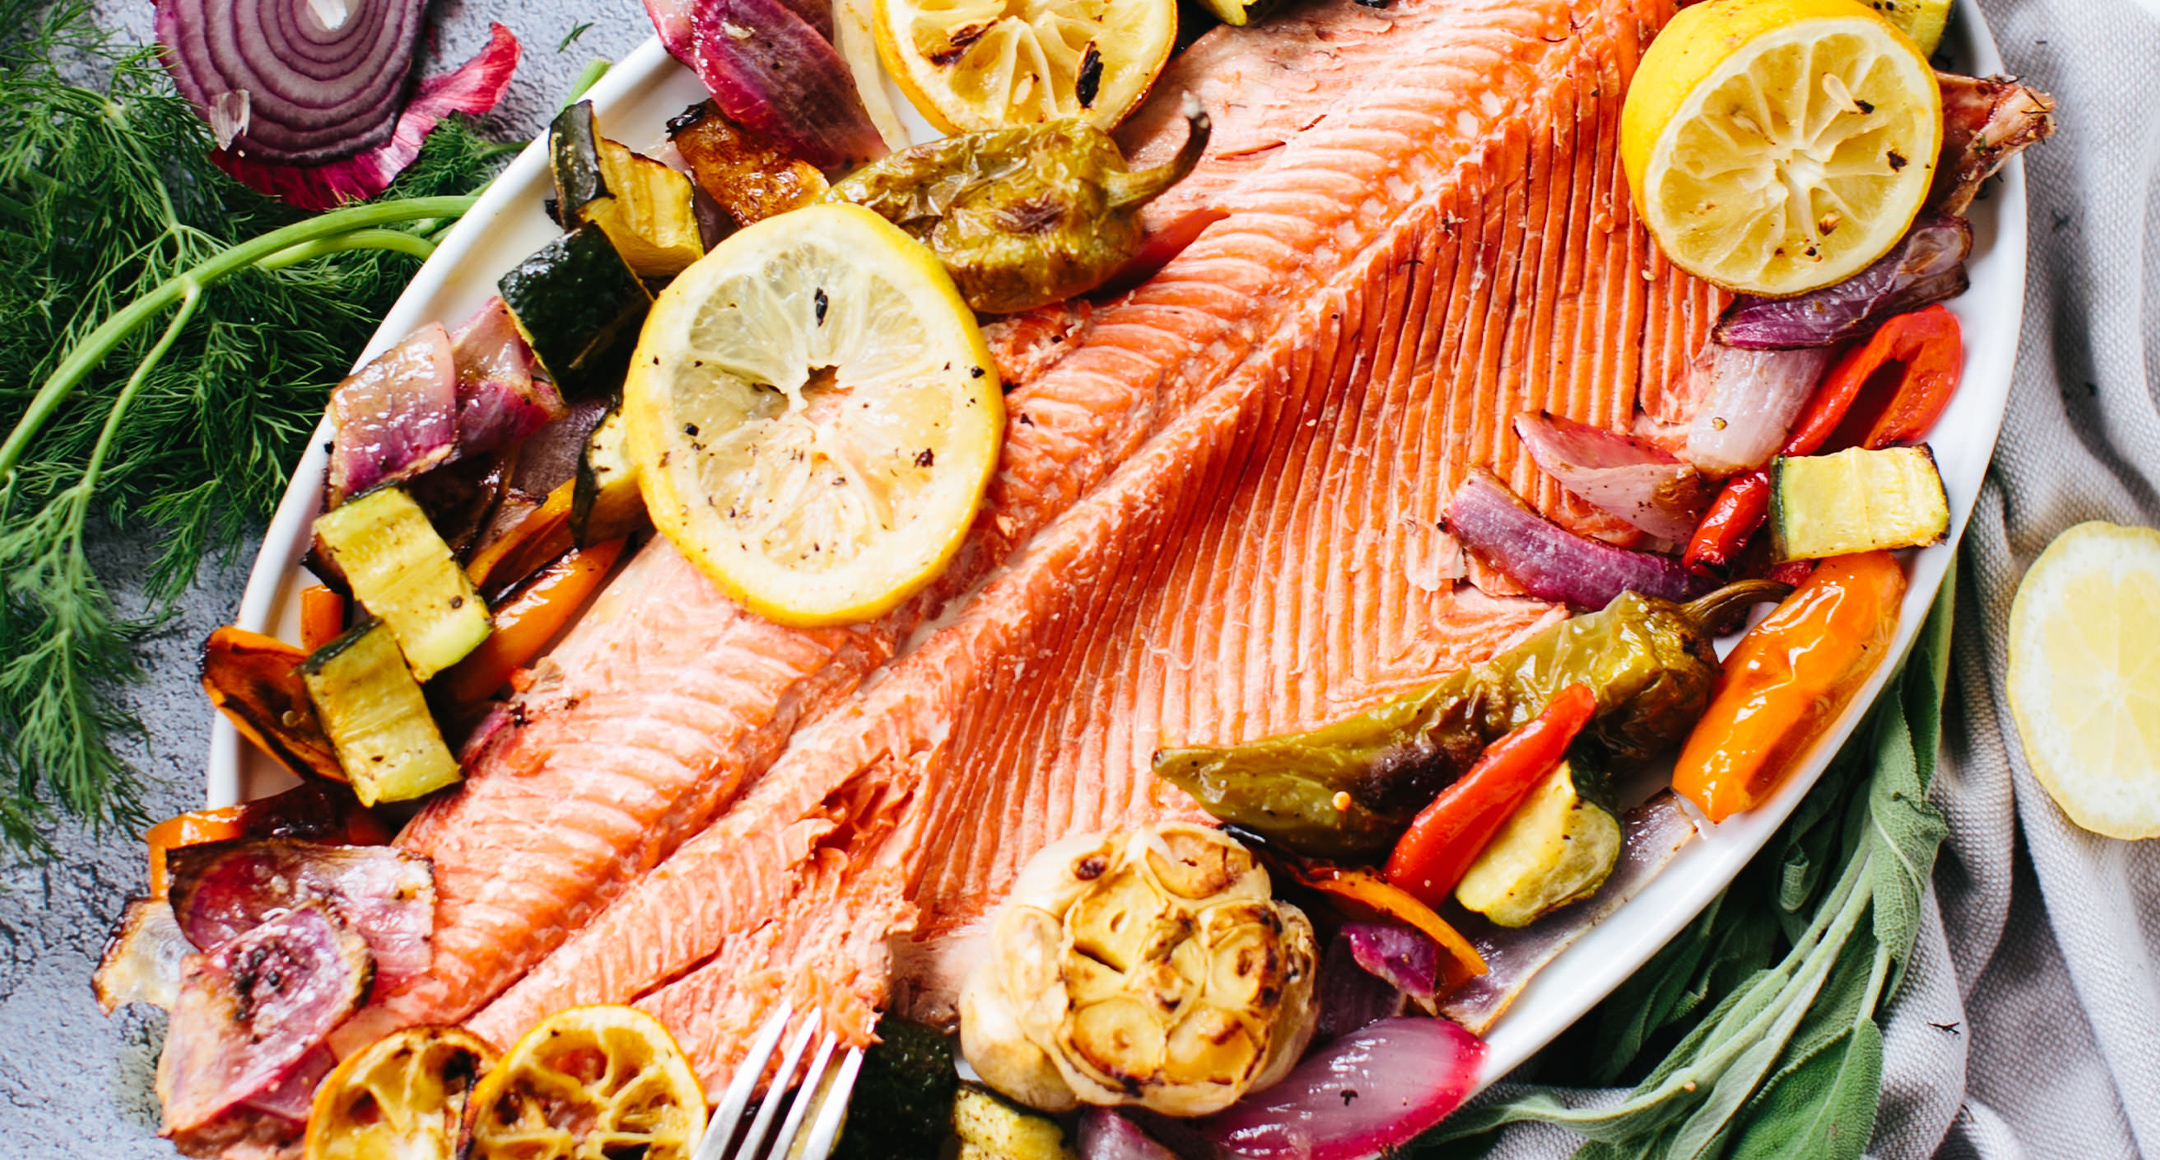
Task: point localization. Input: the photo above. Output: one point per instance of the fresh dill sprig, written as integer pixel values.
(171, 336)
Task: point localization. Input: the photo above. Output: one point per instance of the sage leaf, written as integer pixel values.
(1822, 1110)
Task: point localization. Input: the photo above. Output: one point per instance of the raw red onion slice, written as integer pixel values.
(1653, 834)
(253, 1009)
(771, 70)
(1359, 1096)
(1753, 397)
(1552, 563)
(396, 417)
(1926, 267)
(363, 172)
(1629, 478)
(387, 896)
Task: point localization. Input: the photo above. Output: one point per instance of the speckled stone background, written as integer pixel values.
(72, 1082)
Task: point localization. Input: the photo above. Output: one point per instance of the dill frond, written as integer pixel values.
(184, 428)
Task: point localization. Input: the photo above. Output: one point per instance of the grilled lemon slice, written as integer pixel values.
(2084, 681)
(1779, 146)
(401, 1098)
(590, 1083)
(814, 415)
(970, 65)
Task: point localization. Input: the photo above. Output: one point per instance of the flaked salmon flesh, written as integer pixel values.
(1226, 502)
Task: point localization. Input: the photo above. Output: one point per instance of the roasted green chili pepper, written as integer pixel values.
(1347, 790)
(1022, 217)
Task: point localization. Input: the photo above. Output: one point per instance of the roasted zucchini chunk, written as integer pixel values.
(376, 717)
(992, 1129)
(579, 306)
(606, 503)
(404, 574)
(1557, 847)
(1856, 501)
(641, 204)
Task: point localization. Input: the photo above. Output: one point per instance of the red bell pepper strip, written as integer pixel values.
(1929, 353)
(1448, 835)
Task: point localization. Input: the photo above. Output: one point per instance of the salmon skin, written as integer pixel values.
(1442, 245)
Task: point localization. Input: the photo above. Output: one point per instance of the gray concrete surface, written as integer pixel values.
(72, 1082)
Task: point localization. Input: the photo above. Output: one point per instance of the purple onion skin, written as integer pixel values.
(1404, 958)
(769, 69)
(1106, 1135)
(1552, 563)
(1351, 997)
(1928, 266)
(1359, 1096)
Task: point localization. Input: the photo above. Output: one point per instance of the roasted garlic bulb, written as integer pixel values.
(1144, 967)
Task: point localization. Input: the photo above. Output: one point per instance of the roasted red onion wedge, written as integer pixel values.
(294, 1096)
(141, 963)
(771, 70)
(1652, 834)
(1627, 477)
(1106, 1135)
(385, 895)
(1753, 397)
(1362, 1095)
(1926, 267)
(1985, 124)
(1550, 562)
(396, 417)
(252, 1011)
(498, 400)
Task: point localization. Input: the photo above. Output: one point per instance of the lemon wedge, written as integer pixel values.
(992, 64)
(814, 415)
(2084, 682)
(587, 1083)
(1778, 146)
(403, 1096)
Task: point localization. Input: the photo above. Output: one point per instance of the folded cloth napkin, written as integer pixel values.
(2029, 1021)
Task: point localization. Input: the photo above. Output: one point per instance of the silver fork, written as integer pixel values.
(722, 1130)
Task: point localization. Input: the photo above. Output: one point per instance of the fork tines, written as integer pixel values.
(830, 1103)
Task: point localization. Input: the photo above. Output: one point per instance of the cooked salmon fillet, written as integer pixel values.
(1447, 243)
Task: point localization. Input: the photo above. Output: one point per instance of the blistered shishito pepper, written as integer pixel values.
(1022, 217)
(1349, 789)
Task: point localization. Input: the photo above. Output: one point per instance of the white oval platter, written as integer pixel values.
(637, 97)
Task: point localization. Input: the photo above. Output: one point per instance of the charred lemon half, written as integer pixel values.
(590, 1083)
(401, 1098)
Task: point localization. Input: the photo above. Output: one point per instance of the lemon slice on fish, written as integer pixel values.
(814, 415)
(588, 1083)
(403, 1096)
(1778, 146)
(969, 64)
(2084, 683)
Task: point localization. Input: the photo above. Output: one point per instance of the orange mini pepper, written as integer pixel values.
(527, 621)
(1448, 835)
(1364, 894)
(1788, 680)
(322, 616)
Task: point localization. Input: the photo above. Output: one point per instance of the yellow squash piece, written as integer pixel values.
(813, 416)
(376, 717)
(401, 1098)
(2084, 682)
(991, 1129)
(589, 1083)
(1557, 847)
(1856, 501)
(1778, 146)
(401, 571)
